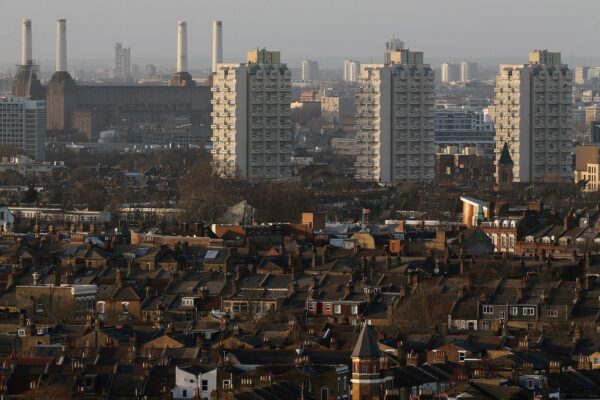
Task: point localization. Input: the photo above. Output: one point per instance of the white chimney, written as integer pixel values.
(26, 42)
(182, 46)
(61, 45)
(217, 44)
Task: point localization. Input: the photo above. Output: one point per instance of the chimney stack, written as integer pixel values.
(182, 60)
(26, 52)
(217, 44)
(61, 45)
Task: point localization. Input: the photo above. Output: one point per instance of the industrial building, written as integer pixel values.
(178, 113)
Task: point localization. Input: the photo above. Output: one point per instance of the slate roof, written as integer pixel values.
(366, 345)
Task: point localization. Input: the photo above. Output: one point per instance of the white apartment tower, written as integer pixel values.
(395, 120)
(533, 110)
(23, 125)
(309, 70)
(351, 70)
(251, 118)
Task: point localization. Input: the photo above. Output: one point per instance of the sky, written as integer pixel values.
(305, 28)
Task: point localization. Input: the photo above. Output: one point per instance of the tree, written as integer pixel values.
(31, 195)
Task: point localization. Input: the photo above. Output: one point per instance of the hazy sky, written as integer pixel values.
(306, 28)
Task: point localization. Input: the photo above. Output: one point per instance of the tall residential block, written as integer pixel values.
(251, 118)
(23, 126)
(395, 120)
(533, 110)
(450, 72)
(351, 71)
(393, 45)
(309, 70)
(122, 62)
(468, 71)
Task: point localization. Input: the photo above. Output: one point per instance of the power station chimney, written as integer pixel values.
(61, 45)
(182, 62)
(26, 57)
(217, 44)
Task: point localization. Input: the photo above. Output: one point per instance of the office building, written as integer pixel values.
(581, 74)
(309, 70)
(351, 70)
(533, 114)
(595, 132)
(122, 63)
(468, 71)
(393, 45)
(251, 118)
(592, 113)
(450, 72)
(464, 128)
(395, 120)
(23, 126)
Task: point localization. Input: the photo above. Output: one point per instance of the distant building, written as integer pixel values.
(592, 113)
(393, 45)
(23, 126)
(468, 71)
(309, 70)
(464, 127)
(344, 146)
(251, 118)
(395, 120)
(533, 115)
(351, 70)
(450, 72)
(581, 74)
(122, 63)
(595, 132)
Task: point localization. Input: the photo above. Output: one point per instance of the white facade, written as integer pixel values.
(251, 120)
(351, 70)
(533, 114)
(449, 72)
(309, 70)
(395, 120)
(191, 381)
(468, 71)
(23, 125)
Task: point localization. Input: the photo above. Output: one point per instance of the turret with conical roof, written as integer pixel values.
(369, 378)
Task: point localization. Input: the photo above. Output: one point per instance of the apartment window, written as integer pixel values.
(354, 310)
(596, 360)
(311, 306)
(528, 311)
(488, 309)
(514, 311)
(204, 385)
(328, 306)
(502, 315)
(365, 369)
(461, 356)
(553, 313)
(226, 384)
(101, 307)
(184, 393)
(337, 309)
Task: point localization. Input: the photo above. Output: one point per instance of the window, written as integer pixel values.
(553, 313)
(502, 315)
(324, 394)
(596, 360)
(39, 306)
(365, 368)
(204, 385)
(337, 309)
(226, 384)
(328, 306)
(530, 384)
(101, 307)
(528, 311)
(354, 310)
(184, 393)
(488, 309)
(311, 306)
(461, 356)
(125, 307)
(514, 311)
